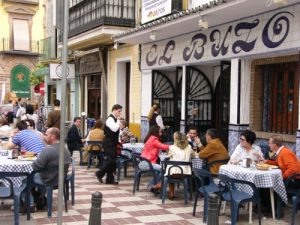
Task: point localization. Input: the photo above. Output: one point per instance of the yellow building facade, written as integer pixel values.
(124, 84)
(22, 27)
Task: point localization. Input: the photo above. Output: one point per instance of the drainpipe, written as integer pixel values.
(104, 89)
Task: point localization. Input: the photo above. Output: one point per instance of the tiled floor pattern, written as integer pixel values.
(120, 206)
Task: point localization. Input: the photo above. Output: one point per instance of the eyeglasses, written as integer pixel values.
(242, 139)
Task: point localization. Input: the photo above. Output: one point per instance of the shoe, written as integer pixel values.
(113, 183)
(156, 186)
(23, 210)
(100, 179)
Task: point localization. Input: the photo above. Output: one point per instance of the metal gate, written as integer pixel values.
(199, 109)
(163, 93)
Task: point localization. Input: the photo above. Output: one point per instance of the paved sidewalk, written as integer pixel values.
(120, 206)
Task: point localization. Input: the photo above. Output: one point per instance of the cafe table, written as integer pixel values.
(271, 178)
(13, 165)
(134, 147)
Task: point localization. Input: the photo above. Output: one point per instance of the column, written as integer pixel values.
(239, 101)
(73, 101)
(183, 99)
(145, 101)
(297, 147)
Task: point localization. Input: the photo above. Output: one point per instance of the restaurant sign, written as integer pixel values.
(19, 81)
(154, 9)
(273, 31)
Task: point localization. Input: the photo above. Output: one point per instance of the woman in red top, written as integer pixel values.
(151, 151)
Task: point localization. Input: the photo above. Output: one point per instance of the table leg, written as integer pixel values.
(272, 202)
(250, 212)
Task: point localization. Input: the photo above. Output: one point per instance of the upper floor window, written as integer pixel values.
(281, 97)
(21, 38)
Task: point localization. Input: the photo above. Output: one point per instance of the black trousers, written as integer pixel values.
(109, 164)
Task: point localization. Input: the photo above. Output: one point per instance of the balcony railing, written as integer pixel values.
(48, 48)
(88, 14)
(19, 46)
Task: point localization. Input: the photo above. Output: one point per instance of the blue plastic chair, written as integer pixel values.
(11, 192)
(49, 191)
(294, 192)
(70, 182)
(98, 153)
(232, 194)
(138, 172)
(205, 185)
(221, 162)
(122, 161)
(185, 179)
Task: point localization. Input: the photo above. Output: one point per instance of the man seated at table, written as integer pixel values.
(285, 159)
(193, 138)
(25, 138)
(246, 148)
(47, 162)
(214, 150)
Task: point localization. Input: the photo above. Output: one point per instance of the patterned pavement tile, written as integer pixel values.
(120, 206)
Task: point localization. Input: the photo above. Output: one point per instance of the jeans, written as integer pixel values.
(156, 167)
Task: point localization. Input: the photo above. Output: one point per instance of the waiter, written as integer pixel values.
(111, 132)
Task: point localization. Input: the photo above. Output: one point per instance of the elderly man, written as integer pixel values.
(285, 159)
(214, 150)
(26, 139)
(47, 162)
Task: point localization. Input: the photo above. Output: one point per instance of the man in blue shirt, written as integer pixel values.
(25, 139)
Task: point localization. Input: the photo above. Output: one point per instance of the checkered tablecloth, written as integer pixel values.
(197, 163)
(3, 152)
(136, 148)
(261, 178)
(10, 165)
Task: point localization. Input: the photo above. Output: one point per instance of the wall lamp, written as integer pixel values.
(152, 35)
(202, 23)
(116, 45)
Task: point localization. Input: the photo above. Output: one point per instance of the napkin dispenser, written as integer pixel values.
(246, 162)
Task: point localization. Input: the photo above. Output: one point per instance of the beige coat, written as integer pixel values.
(177, 154)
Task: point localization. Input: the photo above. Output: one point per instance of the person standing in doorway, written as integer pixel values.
(154, 117)
(111, 132)
(54, 116)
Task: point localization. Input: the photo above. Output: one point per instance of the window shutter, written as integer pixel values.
(21, 35)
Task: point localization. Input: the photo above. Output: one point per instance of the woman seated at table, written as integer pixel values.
(151, 150)
(96, 134)
(246, 149)
(125, 134)
(180, 151)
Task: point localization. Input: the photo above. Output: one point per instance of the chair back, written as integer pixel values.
(234, 186)
(220, 162)
(72, 174)
(137, 159)
(168, 165)
(288, 181)
(97, 144)
(125, 153)
(8, 191)
(203, 176)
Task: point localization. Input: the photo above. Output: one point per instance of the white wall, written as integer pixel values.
(121, 86)
(146, 92)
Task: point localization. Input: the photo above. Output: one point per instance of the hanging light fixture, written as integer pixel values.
(152, 35)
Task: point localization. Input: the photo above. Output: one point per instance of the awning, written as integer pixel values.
(184, 22)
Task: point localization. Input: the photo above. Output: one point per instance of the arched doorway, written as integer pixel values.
(199, 108)
(163, 93)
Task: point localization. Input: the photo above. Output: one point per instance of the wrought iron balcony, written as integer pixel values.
(22, 47)
(48, 48)
(89, 14)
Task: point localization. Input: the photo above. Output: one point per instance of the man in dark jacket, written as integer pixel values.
(74, 138)
(111, 132)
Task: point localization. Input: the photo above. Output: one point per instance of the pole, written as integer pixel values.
(62, 111)
(213, 209)
(95, 213)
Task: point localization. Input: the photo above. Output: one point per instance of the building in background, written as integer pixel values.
(22, 28)
(210, 67)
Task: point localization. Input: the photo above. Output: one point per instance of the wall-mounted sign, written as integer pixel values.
(269, 32)
(153, 9)
(56, 71)
(19, 81)
(90, 64)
